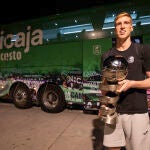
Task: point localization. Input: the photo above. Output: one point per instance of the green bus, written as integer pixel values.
(54, 61)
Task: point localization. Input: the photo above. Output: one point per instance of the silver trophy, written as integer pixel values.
(114, 70)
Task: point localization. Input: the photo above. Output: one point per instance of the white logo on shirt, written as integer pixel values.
(130, 59)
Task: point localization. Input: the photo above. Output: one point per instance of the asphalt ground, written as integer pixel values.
(34, 129)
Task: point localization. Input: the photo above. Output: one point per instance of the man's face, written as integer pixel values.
(123, 27)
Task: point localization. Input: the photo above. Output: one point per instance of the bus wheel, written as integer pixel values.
(52, 99)
(21, 96)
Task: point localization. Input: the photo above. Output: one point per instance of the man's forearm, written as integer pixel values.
(143, 84)
(127, 84)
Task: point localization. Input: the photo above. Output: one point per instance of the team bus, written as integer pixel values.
(54, 61)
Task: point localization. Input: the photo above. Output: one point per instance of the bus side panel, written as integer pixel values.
(44, 59)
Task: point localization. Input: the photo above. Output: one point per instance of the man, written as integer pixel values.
(133, 126)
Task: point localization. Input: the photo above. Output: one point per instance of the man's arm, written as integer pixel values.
(127, 84)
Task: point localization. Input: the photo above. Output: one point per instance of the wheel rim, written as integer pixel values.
(51, 99)
(20, 95)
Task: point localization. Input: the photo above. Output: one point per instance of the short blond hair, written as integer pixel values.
(122, 14)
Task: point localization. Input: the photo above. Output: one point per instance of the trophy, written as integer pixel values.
(114, 70)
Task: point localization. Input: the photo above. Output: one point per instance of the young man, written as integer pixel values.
(132, 129)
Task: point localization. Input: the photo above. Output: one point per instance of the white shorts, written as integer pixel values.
(132, 131)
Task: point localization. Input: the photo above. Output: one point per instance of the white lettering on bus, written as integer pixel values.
(33, 38)
(11, 56)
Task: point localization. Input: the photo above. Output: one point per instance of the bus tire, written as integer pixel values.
(52, 99)
(21, 96)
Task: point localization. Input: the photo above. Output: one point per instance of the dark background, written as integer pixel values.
(12, 11)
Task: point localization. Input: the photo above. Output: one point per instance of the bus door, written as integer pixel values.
(92, 51)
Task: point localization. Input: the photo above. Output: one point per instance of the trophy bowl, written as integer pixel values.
(115, 68)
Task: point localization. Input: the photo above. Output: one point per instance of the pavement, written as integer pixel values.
(34, 129)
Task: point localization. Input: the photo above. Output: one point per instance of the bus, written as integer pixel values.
(54, 61)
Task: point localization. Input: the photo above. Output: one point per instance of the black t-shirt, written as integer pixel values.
(138, 58)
